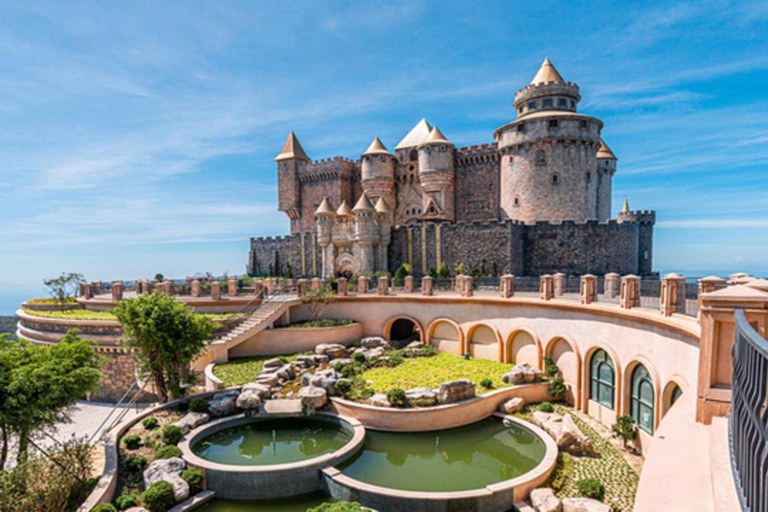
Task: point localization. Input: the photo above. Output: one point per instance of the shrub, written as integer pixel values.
(339, 506)
(550, 368)
(172, 434)
(591, 488)
(486, 383)
(367, 393)
(149, 423)
(394, 361)
(561, 472)
(624, 428)
(428, 351)
(104, 507)
(198, 405)
(132, 442)
(182, 406)
(194, 477)
(338, 366)
(136, 464)
(153, 439)
(557, 387)
(359, 357)
(127, 501)
(166, 452)
(545, 407)
(397, 397)
(159, 497)
(349, 370)
(343, 387)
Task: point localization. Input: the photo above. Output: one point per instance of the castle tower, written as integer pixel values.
(549, 162)
(366, 233)
(378, 174)
(437, 178)
(324, 215)
(290, 162)
(383, 215)
(606, 168)
(645, 220)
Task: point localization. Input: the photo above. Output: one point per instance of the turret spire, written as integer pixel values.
(377, 148)
(547, 73)
(604, 152)
(625, 208)
(292, 149)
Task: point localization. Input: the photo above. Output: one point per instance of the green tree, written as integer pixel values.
(167, 335)
(317, 301)
(402, 271)
(624, 428)
(64, 287)
(443, 270)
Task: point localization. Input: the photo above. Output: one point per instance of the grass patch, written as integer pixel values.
(240, 371)
(68, 300)
(89, 314)
(310, 324)
(432, 371)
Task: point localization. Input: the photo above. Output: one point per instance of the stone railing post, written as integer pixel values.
(426, 285)
(362, 284)
(559, 280)
(672, 297)
(382, 286)
(467, 286)
(139, 287)
(458, 284)
(341, 287)
(507, 286)
(216, 290)
(168, 285)
(630, 292)
(301, 287)
(611, 286)
(96, 285)
(232, 287)
(80, 289)
(269, 284)
(546, 287)
(707, 285)
(195, 288)
(408, 284)
(257, 286)
(316, 284)
(87, 291)
(588, 288)
(117, 291)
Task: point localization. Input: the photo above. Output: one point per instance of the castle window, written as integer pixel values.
(411, 167)
(553, 123)
(573, 104)
(431, 208)
(583, 124)
(547, 103)
(532, 105)
(413, 155)
(517, 202)
(562, 102)
(541, 157)
(491, 187)
(520, 110)
(521, 127)
(589, 176)
(555, 179)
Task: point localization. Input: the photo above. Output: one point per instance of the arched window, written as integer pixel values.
(541, 157)
(676, 393)
(642, 398)
(413, 155)
(602, 379)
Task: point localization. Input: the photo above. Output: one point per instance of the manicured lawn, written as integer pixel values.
(87, 314)
(240, 371)
(432, 371)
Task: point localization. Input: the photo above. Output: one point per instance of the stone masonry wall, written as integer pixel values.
(477, 183)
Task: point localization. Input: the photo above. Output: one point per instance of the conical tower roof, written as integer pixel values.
(377, 148)
(625, 208)
(605, 152)
(344, 210)
(363, 205)
(381, 206)
(325, 208)
(416, 136)
(547, 73)
(291, 149)
(436, 137)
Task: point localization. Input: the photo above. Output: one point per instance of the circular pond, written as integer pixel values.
(271, 442)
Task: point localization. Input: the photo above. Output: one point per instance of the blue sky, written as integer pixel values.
(138, 137)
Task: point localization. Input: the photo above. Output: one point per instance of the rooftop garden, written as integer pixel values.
(241, 371)
(88, 314)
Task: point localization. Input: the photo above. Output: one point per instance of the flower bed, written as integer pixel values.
(240, 371)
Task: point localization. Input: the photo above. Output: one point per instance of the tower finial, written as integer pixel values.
(625, 208)
(292, 149)
(547, 73)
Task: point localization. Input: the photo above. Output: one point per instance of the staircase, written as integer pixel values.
(271, 309)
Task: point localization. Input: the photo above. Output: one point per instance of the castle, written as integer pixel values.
(537, 200)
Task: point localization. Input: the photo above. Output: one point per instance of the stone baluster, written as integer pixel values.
(301, 287)
(316, 284)
(507, 286)
(426, 285)
(87, 291)
(269, 284)
(611, 285)
(168, 285)
(216, 290)
(588, 288)
(232, 287)
(546, 287)
(709, 284)
(257, 286)
(408, 284)
(117, 291)
(341, 286)
(362, 284)
(672, 297)
(467, 286)
(630, 292)
(96, 285)
(195, 288)
(382, 286)
(459, 283)
(559, 280)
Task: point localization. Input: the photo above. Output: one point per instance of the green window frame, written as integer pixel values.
(602, 380)
(642, 399)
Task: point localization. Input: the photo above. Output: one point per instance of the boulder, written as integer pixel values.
(379, 400)
(456, 391)
(321, 359)
(415, 345)
(421, 397)
(168, 470)
(325, 379)
(313, 397)
(373, 342)
(273, 363)
(249, 399)
(512, 406)
(584, 505)
(343, 360)
(522, 373)
(332, 350)
(192, 420)
(267, 380)
(544, 500)
(223, 404)
(375, 352)
(262, 390)
(285, 372)
(565, 433)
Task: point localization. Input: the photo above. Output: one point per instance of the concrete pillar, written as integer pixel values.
(630, 292)
(467, 286)
(611, 285)
(232, 287)
(257, 287)
(707, 285)
(96, 287)
(216, 290)
(458, 285)
(426, 285)
(301, 287)
(341, 287)
(588, 289)
(383, 286)
(362, 284)
(546, 287)
(316, 284)
(87, 291)
(168, 285)
(139, 284)
(672, 297)
(559, 280)
(194, 288)
(269, 284)
(117, 291)
(408, 284)
(507, 286)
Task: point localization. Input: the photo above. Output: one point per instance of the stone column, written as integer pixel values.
(96, 287)
(216, 290)
(195, 288)
(301, 287)
(559, 280)
(588, 288)
(232, 287)
(630, 292)
(316, 284)
(168, 285)
(117, 291)
(672, 297)
(546, 287)
(139, 286)
(341, 287)
(507, 286)
(467, 286)
(362, 284)
(426, 285)
(611, 285)
(408, 284)
(87, 291)
(382, 286)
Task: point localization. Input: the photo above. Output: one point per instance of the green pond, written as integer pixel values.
(458, 459)
(272, 442)
(297, 504)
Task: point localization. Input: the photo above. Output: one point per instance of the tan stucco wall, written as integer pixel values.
(288, 340)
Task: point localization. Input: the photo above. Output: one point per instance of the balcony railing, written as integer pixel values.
(748, 422)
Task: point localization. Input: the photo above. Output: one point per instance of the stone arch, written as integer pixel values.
(586, 374)
(484, 342)
(566, 356)
(446, 336)
(523, 346)
(388, 328)
(676, 381)
(627, 385)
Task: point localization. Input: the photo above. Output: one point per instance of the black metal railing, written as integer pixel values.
(748, 422)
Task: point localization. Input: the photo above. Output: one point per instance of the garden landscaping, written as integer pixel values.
(89, 314)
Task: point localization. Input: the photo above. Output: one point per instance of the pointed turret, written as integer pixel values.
(547, 74)
(344, 210)
(381, 206)
(625, 208)
(363, 205)
(416, 136)
(292, 150)
(436, 137)
(376, 148)
(325, 208)
(604, 152)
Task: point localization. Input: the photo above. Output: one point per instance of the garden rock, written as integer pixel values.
(262, 390)
(421, 397)
(168, 470)
(285, 372)
(379, 400)
(325, 379)
(584, 505)
(249, 399)
(521, 373)
(322, 359)
(544, 500)
(267, 379)
(273, 363)
(342, 360)
(223, 404)
(313, 397)
(373, 342)
(565, 433)
(307, 361)
(192, 420)
(415, 345)
(456, 391)
(332, 350)
(512, 406)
